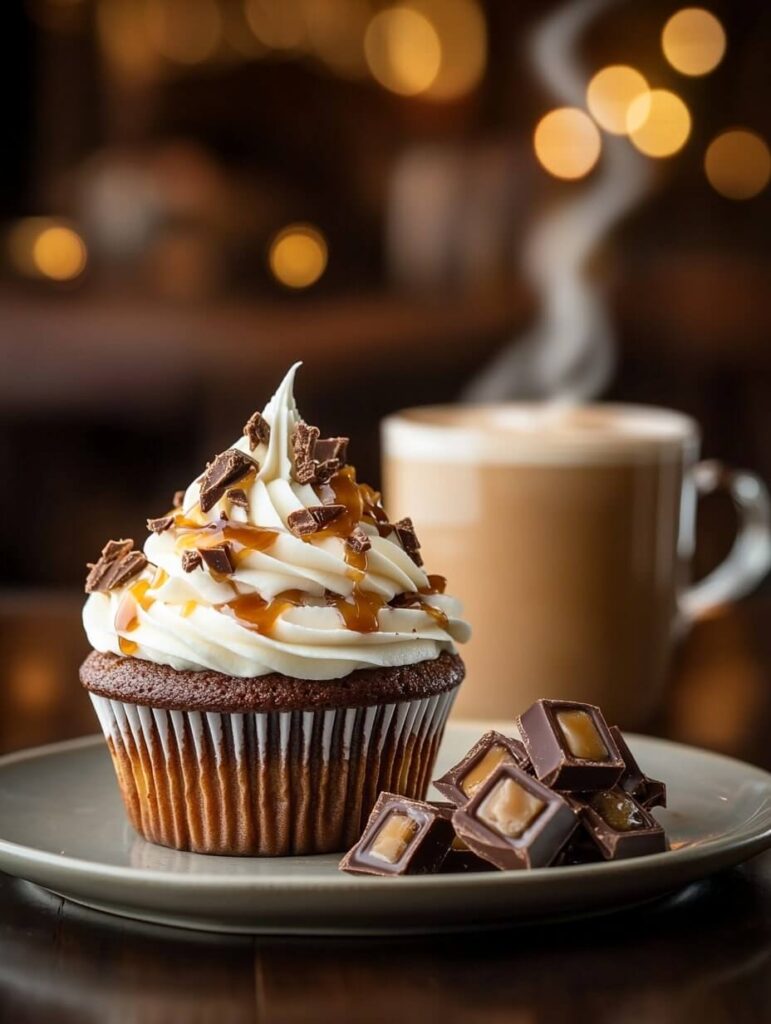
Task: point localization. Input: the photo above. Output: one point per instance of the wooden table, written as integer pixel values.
(701, 955)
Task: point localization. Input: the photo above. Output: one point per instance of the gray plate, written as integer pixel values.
(62, 826)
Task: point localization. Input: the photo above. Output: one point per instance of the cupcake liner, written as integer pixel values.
(268, 784)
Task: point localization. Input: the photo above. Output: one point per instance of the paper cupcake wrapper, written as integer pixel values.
(273, 784)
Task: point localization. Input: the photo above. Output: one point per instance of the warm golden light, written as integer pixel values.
(278, 24)
(693, 41)
(610, 95)
(462, 32)
(184, 31)
(298, 255)
(659, 123)
(44, 247)
(59, 253)
(738, 164)
(567, 143)
(336, 35)
(403, 50)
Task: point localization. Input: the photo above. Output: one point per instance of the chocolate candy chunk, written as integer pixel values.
(462, 781)
(649, 792)
(117, 564)
(514, 821)
(358, 541)
(257, 430)
(408, 539)
(316, 459)
(402, 837)
(570, 745)
(218, 559)
(178, 499)
(191, 560)
(310, 520)
(238, 497)
(619, 826)
(228, 467)
(160, 524)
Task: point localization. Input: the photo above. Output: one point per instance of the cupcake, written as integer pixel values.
(274, 656)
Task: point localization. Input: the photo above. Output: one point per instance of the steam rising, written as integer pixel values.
(569, 355)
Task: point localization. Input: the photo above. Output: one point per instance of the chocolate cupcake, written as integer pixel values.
(275, 657)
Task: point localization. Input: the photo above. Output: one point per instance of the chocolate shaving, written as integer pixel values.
(228, 467)
(316, 459)
(305, 521)
(218, 559)
(257, 430)
(238, 497)
(117, 564)
(178, 499)
(358, 541)
(160, 524)
(405, 531)
(191, 560)
(409, 599)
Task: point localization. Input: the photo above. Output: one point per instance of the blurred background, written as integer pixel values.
(425, 200)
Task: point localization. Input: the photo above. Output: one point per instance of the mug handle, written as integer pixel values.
(749, 559)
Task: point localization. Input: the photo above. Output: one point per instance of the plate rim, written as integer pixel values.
(749, 840)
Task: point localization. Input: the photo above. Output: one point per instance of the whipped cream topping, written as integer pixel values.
(306, 606)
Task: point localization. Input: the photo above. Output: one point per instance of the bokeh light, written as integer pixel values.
(659, 123)
(298, 255)
(462, 32)
(403, 50)
(610, 95)
(567, 143)
(184, 31)
(45, 247)
(693, 41)
(277, 24)
(336, 35)
(738, 164)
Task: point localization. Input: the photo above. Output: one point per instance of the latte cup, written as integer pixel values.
(569, 534)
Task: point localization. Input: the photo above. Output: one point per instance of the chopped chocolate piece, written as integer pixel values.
(462, 781)
(191, 560)
(654, 794)
(514, 821)
(618, 825)
(649, 792)
(358, 541)
(316, 459)
(160, 524)
(178, 499)
(218, 559)
(408, 599)
(305, 521)
(238, 497)
(402, 837)
(116, 565)
(461, 860)
(228, 467)
(257, 430)
(408, 539)
(570, 745)
(579, 850)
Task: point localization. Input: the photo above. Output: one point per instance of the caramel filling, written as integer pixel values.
(509, 808)
(394, 838)
(581, 735)
(618, 811)
(483, 769)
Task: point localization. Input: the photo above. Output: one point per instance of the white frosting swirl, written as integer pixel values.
(246, 624)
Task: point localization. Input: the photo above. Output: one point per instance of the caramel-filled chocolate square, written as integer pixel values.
(401, 837)
(463, 780)
(570, 745)
(514, 821)
(649, 792)
(619, 825)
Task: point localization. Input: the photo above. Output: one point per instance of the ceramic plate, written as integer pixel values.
(62, 826)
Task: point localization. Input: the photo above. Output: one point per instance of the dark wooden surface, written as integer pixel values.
(702, 955)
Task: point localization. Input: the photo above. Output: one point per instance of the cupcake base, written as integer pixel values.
(274, 782)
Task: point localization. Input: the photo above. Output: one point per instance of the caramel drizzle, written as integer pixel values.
(359, 612)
